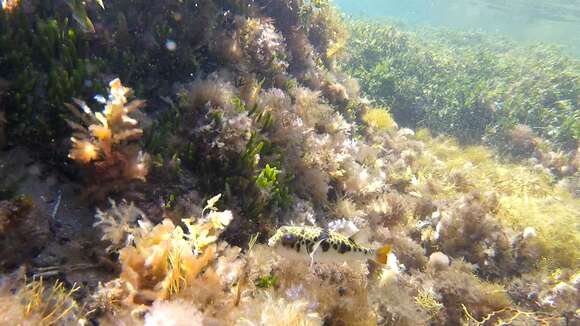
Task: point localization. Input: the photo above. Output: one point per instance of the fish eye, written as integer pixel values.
(288, 239)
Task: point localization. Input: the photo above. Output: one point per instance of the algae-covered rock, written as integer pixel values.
(23, 232)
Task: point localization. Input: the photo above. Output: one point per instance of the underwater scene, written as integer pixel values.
(289, 162)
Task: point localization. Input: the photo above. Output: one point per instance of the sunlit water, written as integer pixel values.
(528, 21)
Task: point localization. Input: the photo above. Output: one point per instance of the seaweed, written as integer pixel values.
(105, 144)
(379, 119)
(477, 86)
(39, 303)
(45, 60)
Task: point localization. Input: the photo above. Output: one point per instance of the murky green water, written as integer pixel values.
(529, 21)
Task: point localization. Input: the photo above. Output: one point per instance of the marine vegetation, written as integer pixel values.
(104, 143)
(467, 85)
(44, 64)
(35, 303)
(246, 181)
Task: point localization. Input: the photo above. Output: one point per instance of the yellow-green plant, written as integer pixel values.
(555, 218)
(445, 160)
(37, 303)
(426, 300)
(379, 119)
(165, 259)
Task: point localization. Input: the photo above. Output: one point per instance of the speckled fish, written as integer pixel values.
(323, 245)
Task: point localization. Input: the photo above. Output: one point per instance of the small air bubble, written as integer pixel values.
(170, 45)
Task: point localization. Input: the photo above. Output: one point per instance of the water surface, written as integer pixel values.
(528, 21)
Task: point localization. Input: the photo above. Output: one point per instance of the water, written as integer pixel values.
(529, 21)
(266, 162)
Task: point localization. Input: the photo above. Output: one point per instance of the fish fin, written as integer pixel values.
(324, 234)
(383, 254)
(314, 248)
(355, 238)
(343, 227)
(361, 236)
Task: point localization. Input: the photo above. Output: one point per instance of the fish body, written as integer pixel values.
(323, 245)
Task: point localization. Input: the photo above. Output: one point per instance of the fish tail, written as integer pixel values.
(382, 254)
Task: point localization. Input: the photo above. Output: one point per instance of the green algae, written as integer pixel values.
(467, 85)
(43, 58)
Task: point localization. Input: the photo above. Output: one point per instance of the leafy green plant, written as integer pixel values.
(267, 178)
(44, 58)
(270, 181)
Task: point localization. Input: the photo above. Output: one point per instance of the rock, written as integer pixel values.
(23, 232)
